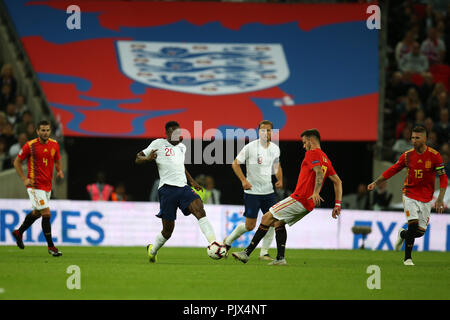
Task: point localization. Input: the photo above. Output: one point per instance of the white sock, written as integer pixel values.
(159, 242)
(237, 232)
(267, 241)
(207, 229)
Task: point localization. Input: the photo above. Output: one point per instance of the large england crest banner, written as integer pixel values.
(125, 68)
(204, 68)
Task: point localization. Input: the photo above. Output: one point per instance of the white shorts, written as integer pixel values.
(288, 210)
(418, 210)
(39, 198)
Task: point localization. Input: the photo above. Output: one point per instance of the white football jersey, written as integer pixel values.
(170, 162)
(259, 162)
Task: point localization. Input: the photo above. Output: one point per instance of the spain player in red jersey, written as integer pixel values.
(422, 164)
(42, 154)
(314, 169)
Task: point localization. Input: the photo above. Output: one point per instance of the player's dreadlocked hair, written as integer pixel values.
(311, 133)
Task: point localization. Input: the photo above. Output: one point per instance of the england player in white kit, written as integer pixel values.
(173, 190)
(261, 158)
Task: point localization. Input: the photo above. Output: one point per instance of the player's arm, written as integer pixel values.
(278, 175)
(377, 181)
(394, 169)
(317, 185)
(191, 181)
(238, 172)
(142, 158)
(440, 170)
(337, 184)
(58, 165)
(18, 166)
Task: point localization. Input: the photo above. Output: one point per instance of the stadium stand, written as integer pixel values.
(416, 89)
(22, 106)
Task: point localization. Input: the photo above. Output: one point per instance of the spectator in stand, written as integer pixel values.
(7, 77)
(404, 143)
(396, 88)
(27, 118)
(3, 121)
(429, 19)
(445, 148)
(432, 140)
(442, 100)
(3, 154)
(414, 26)
(6, 97)
(405, 46)
(433, 47)
(407, 110)
(440, 29)
(432, 106)
(420, 118)
(15, 148)
(401, 14)
(214, 194)
(8, 135)
(429, 124)
(30, 131)
(427, 87)
(359, 200)
(407, 81)
(414, 61)
(11, 114)
(119, 193)
(99, 190)
(381, 198)
(21, 107)
(442, 128)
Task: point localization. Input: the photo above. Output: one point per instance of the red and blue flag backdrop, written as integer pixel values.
(135, 65)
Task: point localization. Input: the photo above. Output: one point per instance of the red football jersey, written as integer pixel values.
(420, 174)
(307, 177)
(41, 158)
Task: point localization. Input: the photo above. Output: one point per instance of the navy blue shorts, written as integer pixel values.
(254, 202)
(171, 198)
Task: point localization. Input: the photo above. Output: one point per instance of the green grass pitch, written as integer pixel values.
(188, 273)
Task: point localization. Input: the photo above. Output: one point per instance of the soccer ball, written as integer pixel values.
(216, 250)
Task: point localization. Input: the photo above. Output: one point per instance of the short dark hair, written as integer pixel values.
(171, 124)
(311, 133)
(420, 129)
(265, 122)
(43, 123)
